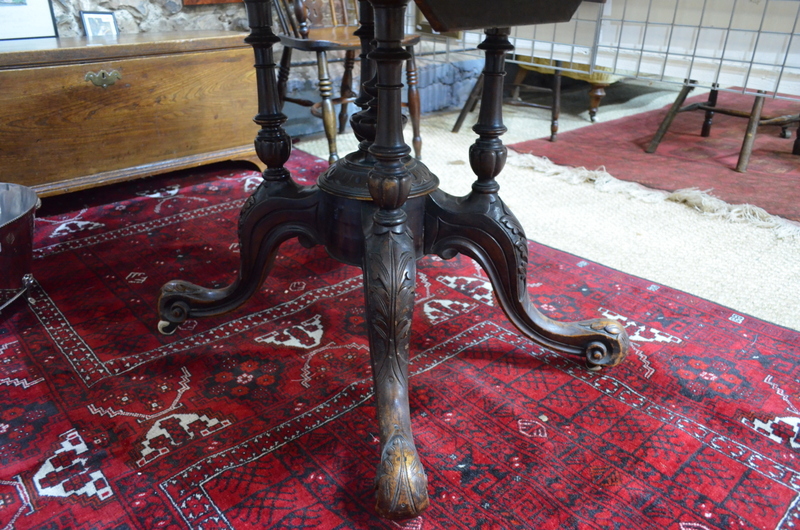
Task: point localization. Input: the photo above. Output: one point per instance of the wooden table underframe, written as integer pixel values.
(389, 212)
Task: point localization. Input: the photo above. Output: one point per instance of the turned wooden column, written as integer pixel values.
(414, 104)
(487, 155)
(346, 87)
(273, 145)
(389, 278)
(363, 122)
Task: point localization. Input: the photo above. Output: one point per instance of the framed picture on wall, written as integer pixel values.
(99, 23)
(26, 19)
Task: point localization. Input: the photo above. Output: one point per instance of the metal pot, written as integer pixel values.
(17, 207)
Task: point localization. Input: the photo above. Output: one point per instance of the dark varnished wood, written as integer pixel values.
(389, 277)
(347, 88)
(481, 226)
(447, 16)
(708, 119)
(389, 212)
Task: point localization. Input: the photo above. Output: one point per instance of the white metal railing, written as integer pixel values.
(739, 45)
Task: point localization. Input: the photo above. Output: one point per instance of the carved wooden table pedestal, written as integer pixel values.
(380, 209)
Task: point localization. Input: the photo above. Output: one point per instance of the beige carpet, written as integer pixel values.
(750, 266)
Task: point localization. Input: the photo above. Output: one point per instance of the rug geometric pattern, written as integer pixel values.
(264, 417)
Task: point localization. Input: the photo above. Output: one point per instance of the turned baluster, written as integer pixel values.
(363, 122)
(283, 73)
(414, 105)
(347, 87)
(273, 145)
(487, 155)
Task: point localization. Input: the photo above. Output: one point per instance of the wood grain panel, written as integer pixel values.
(24, 53)
(56, 126)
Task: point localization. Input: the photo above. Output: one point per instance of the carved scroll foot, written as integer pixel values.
(277, 211)
(483, 228)
(389, 276)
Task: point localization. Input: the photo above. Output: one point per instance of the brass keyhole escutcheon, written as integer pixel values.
(102, 78)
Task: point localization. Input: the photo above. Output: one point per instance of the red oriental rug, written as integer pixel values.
(685, 159)
(264, 417)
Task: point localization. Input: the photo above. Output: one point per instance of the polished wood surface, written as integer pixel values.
(381, 209)
(166, 109)
(478, 14)
(23, 53)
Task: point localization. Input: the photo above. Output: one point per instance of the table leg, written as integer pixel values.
(481, 226)
(668, 119)
(389, 277)
(280, 209)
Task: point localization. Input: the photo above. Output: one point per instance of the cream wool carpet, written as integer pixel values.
(749, 263)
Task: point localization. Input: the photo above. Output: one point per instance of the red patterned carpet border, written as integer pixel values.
(684, 159)
(264, 418)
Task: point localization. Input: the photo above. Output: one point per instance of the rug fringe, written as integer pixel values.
(694, 198)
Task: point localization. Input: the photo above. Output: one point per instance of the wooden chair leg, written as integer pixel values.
(709, 118)
(555, 109)
(283, 74)
(347, 87)
(472, 100)
(518, 79)
(796, 148)
(596, 94)
(414, 110)
(750, 135)
(673, 111)
(328, 116)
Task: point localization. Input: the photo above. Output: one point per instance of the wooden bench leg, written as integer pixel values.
(750, 135)
(556, 108)
(470, 104)
(673, 111)
(796, 147)
(709, 118)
